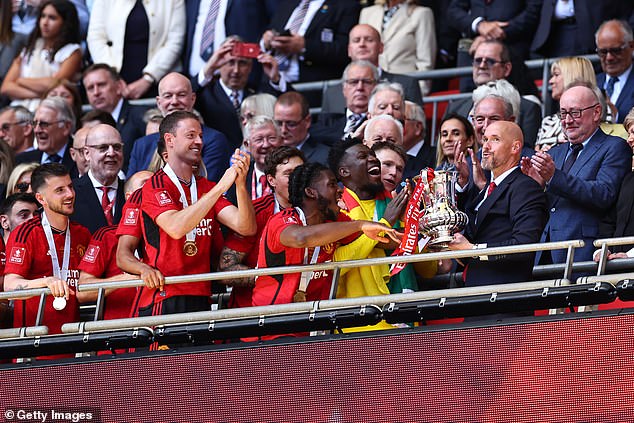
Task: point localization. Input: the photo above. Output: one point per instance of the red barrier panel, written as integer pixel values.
(543, 371)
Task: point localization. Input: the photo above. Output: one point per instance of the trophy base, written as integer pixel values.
(441, 239)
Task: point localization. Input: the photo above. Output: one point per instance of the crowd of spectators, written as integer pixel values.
(229, 169)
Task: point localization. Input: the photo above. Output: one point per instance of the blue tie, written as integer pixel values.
(609, 89)
(54, 158)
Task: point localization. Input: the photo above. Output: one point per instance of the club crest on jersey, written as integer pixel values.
(291, 220)
(17, 255)
(91, 253)
(163, 198)
(131, 217)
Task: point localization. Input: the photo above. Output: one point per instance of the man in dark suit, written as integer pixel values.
(103, 90)
(511, 211)
(316, 47)
(175, 93)
(218, 99)
(99, 195)
(53, 124)
(491, 62)
(615, 47)
(292, 116)
(581, 177)
(365, 44)
(419, 153)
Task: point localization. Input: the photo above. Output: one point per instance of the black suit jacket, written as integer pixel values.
(326, 38)
(329, 127)
(625, 102)
(515, 213)
(426, 157)
(316, 150)
(334, 102)
(131, 127)
(35, 156)
(88, 211)
(619, 222)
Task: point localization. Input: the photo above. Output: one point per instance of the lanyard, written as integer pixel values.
(193, 192)
(57, 272)
(306, 276)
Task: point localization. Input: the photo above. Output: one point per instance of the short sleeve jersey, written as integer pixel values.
(130, 223)
(279, 289)
(28, 256)
(264, 208)
(100, 260)
(165, 253)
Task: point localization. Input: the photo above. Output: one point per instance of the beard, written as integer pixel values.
(374, 187)
(324, 207)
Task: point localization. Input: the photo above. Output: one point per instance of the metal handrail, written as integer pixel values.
(603, 244)
(23, 332)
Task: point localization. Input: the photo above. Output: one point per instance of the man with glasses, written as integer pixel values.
(292, 116)
(492, 62)
(16, 128)
(77, 150)
(615, 46)
(99, 193)
(581, 177)
(53, 123)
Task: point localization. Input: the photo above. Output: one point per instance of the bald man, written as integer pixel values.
(77, 150)
(511, 210)
(100, 193)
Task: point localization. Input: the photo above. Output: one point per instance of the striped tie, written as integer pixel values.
(209, 31)
(293, 27)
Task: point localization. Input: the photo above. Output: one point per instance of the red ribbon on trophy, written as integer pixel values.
(412, 216)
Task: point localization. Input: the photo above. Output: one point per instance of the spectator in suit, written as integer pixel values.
(104, 91)
(219, 99)
(365, 44)
(491, 62)
(175, 93)
(292, 116)
(383, 128)
(16, 128)
(615, 46)
(315, 48)
(100, 194)
(53, 124)
(408, 33)
(581, 177)
(359, 79)
(419, 153)
(512, 211)
(77, 150)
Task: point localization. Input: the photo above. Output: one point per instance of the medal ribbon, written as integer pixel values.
(193, 192)
(57, 272)
(304, 280)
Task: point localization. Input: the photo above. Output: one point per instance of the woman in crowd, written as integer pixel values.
(20, 178)
(408, 34)
(69, 92)
(454, 129)
(52, 53)
(143, 40)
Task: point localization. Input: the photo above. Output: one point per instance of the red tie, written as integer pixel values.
(106, 205)
(266, 190)
(491, 188)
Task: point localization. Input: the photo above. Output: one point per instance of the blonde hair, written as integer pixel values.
(6, 161)
(629, 120)
(575, 69)
(17, 173)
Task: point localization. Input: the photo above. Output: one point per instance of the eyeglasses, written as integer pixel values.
(7, 125)
(615, 51)
(22, 186)
(478, 61)
(45, 125)
(290, 124)
(103, 148)
(355, 82)
(261, 140)
(574, 113)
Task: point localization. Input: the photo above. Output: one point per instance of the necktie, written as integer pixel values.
(106, 205)
(266, 190)
(491, 188)
(352, 123)
(235, 100)
(293, 27)
(576, 148)
(54, 158)
(209, 30)
(609, 89)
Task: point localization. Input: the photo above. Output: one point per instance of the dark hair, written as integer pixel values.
(98, 115)
(112, 72)
(6, 29)
(74, 92)
(293, 97)
(338, 151)
(301, 178)
(9, 202)
(468, 127)
(170, 122)
(45, 171)
(69, 33)
(505, 53)
(387, 145)
(280, 155)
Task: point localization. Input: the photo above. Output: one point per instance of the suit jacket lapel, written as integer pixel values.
(627, 92)
(119, 201)
(398, 19)
(321, 15)
(123, 115)
(485, 207)
(588, 152)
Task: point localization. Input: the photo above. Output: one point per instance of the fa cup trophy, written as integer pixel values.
(440, 217)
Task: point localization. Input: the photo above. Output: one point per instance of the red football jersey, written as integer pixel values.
(100, 260)
(130, 223)
(241, 296)
(279, 289)
(165, 253)
(28, 256)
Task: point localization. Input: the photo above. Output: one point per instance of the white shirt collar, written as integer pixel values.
(117, 110)
(416, 148)
(228, 91)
